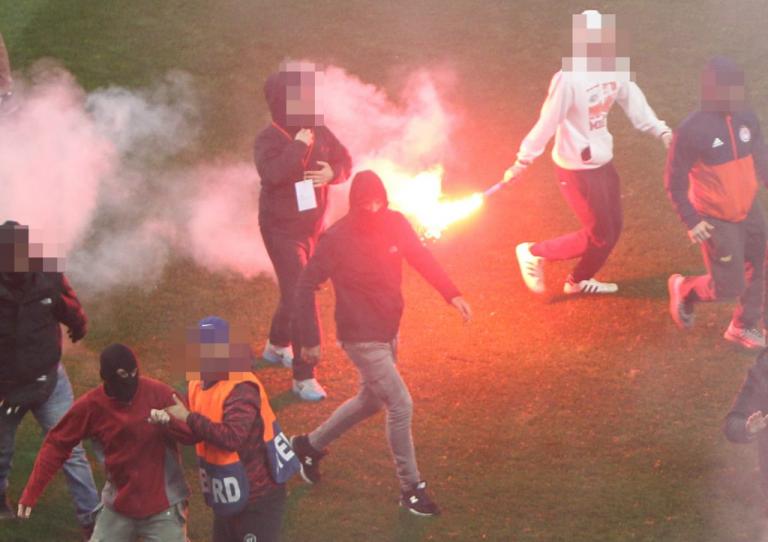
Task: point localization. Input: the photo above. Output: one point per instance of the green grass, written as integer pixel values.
(545, 420)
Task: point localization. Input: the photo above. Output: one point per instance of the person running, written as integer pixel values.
(297, 158)
(576, 112)
(145, 496)
(362, 255)
(712, 177)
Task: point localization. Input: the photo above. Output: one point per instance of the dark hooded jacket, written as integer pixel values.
(281, 161)
(362, 254)
(30, 335)
(716, 159)
(752, 397)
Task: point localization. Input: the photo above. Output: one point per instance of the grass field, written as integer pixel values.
(544, 419)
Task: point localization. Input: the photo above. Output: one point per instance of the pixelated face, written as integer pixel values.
(595, 45)
(215, 358)
(722, 92)
(19, 254)
(304, 94)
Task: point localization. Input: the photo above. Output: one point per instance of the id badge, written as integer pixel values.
(305, 195)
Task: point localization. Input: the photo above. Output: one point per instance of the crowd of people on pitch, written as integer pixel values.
(137, 424)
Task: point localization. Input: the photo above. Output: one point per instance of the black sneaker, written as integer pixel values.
(417, 501)
(308, 457)
(6, 508)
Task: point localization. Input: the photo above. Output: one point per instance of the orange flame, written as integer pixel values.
(420, 197)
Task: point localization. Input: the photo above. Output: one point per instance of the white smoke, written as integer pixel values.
(97, 170)
(52, 157)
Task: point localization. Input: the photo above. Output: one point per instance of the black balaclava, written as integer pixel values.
(118, 356)
(720, 78)
(367, 187)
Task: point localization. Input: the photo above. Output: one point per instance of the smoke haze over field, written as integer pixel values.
(95, 171)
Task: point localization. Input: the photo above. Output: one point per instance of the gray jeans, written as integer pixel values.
(380, 386)
(167, 526)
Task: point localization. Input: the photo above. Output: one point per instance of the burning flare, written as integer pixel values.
(420, 197)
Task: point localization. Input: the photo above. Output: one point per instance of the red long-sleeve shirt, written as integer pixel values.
(144, 473)
(241, 430)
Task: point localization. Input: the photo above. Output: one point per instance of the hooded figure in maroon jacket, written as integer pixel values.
(295, 154)
(362, 254)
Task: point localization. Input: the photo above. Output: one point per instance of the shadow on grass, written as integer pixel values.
(409, 528)
(654, 287)
(283, 400)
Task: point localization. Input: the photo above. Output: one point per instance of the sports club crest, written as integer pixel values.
(745, 134)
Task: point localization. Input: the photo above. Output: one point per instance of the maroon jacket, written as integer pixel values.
(144, 474)
(240, 431)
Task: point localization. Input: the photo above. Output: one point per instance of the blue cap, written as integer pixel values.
(213, 330)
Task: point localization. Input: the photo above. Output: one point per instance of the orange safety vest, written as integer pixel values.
(222, 475)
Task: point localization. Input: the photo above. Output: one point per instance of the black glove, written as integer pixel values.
(76, 333)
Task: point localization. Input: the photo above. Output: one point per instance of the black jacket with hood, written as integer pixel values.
(362, 254)
(281, 161)
(31, 307)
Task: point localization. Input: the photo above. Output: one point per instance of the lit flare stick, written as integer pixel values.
(496, 187)
(436, 218)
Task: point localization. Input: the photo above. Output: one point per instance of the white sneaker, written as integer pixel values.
(589, 286)
(278, 354)
(531, 268)
(752, 338)
(309, 390)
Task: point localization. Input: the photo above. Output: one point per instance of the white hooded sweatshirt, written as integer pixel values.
(576, 112)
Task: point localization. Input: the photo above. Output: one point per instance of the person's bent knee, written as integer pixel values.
(402, 408)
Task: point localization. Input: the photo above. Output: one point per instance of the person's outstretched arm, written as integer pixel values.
(423, 261)
(55, 450)
(553, 111)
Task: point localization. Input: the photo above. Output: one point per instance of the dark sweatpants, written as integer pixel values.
(261, 521)
(735, 258)
(594, 195)
(289, 257)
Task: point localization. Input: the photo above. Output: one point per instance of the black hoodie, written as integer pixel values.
(717, 156)
(281, 162)
(362, 255)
